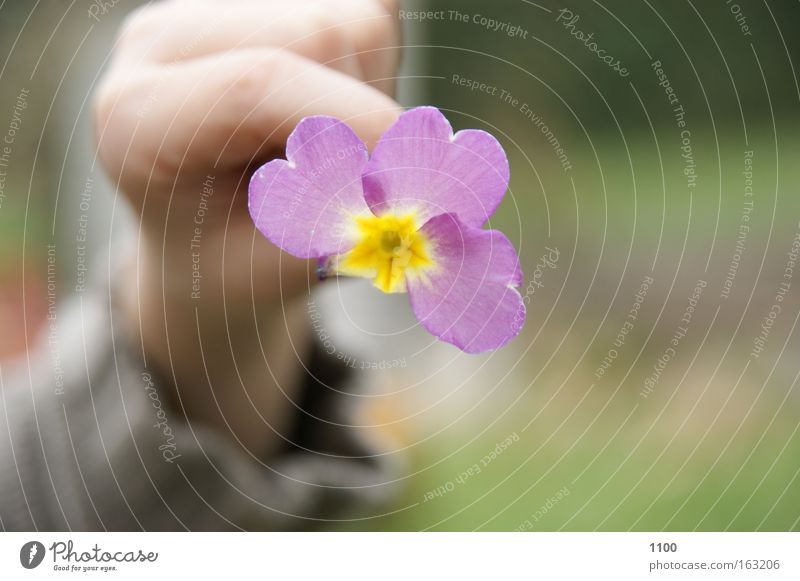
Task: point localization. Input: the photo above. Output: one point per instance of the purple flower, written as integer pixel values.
(409, 217)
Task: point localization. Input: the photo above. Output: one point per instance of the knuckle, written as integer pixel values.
(388, 29)
(249, 82)
(385, 32)
(324, 34)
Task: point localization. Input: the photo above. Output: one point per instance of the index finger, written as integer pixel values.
(226, 110)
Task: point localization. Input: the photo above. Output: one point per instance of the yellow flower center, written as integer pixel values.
(389, 247)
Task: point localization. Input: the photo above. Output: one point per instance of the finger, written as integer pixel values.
(321, 30)
(225, 111)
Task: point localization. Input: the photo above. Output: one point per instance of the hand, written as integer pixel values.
(198, 95)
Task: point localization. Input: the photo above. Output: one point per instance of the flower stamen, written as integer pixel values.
(388, 246)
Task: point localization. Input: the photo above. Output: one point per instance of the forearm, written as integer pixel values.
(98, 453)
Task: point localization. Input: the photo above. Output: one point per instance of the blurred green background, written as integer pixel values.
(715, 446)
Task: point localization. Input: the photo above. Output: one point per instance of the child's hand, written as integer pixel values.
(199, 93)
(201, 88)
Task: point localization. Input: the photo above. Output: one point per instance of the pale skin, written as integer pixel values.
(202, 88)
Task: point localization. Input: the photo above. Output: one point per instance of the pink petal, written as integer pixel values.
(420, 165)
(468, 299)
(306, 205)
